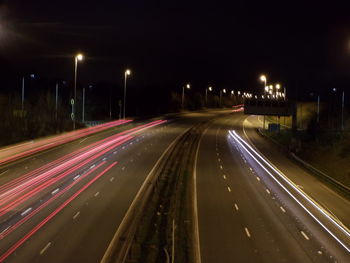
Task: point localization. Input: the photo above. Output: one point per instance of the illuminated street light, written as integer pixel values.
(222, 91)
(188, 86)
(78, 57)
(278, 86)
(126, 74)
(206, 95)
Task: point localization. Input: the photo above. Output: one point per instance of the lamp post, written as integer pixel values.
(32, 76)
(183, 95)
(77, 58)
(264, 79)
(206, 95)
(56, 100)
(278, 87)
(126, 74)
(342, 110)
(222, 91)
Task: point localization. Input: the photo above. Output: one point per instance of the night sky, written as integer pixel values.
(168, 43)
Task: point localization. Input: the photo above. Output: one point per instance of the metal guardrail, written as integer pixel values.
(345, 189)
(321, 174)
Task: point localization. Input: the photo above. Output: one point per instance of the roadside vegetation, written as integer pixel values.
(323, 144)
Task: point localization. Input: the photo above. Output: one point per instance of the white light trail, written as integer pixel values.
(240, 141)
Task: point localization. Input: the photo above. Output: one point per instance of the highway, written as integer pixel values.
(69, 201)
(248, 213)
(65, 203)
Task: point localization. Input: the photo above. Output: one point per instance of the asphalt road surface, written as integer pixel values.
(65, 204)
(247, 212)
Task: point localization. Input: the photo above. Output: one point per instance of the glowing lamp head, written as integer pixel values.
(188, 86)
(79, 57)
(278, 86)
(263, 78)
(232, 92)
(127, 72)
(210, 89)
(224, 90)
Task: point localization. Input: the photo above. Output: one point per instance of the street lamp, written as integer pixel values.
(32, 76)
(206, 95)
(78, 57)
(188, 86)
(222, 91)
(126, 74)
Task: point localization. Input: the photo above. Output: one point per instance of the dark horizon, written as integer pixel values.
(305, 47)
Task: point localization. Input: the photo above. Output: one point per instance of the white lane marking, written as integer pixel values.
(258, 178)
(247, 232)
(26, 211)
(104, 159)
(92, 166)
(123, 147)
(219, 159)
(76, 215)
(82, 140)
(228, 188)
(96, 194)
(112, 179)
(304, 235)
(319, 252)
(283, 210)
(250, 168)
(244, 161)
(3, 231)
(123, 168)
(45, 248)
(224, 176)
(76, 177)
(114, 152)
(267, 191)
(221, 167)
(236, 207)
(287, 180)
(55, 191)
(4, 172)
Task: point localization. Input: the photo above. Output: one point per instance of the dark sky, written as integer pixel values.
(303, 45)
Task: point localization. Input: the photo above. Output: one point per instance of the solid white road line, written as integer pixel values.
(4, 172)
(257, 178)
(267, 191)
(247, 232)
(76, 215)
(112, 179)
(236, 207)
(283, 210)
(55, 191)
(82, 140)
(96, 194)
(45, 248)
(26, 211)
(304, 235)
(229, 189)
(224, 176)
(221, 167)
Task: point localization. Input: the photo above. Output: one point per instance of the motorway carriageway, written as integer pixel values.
(250, 211)
(18, 151)
(47, 186)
